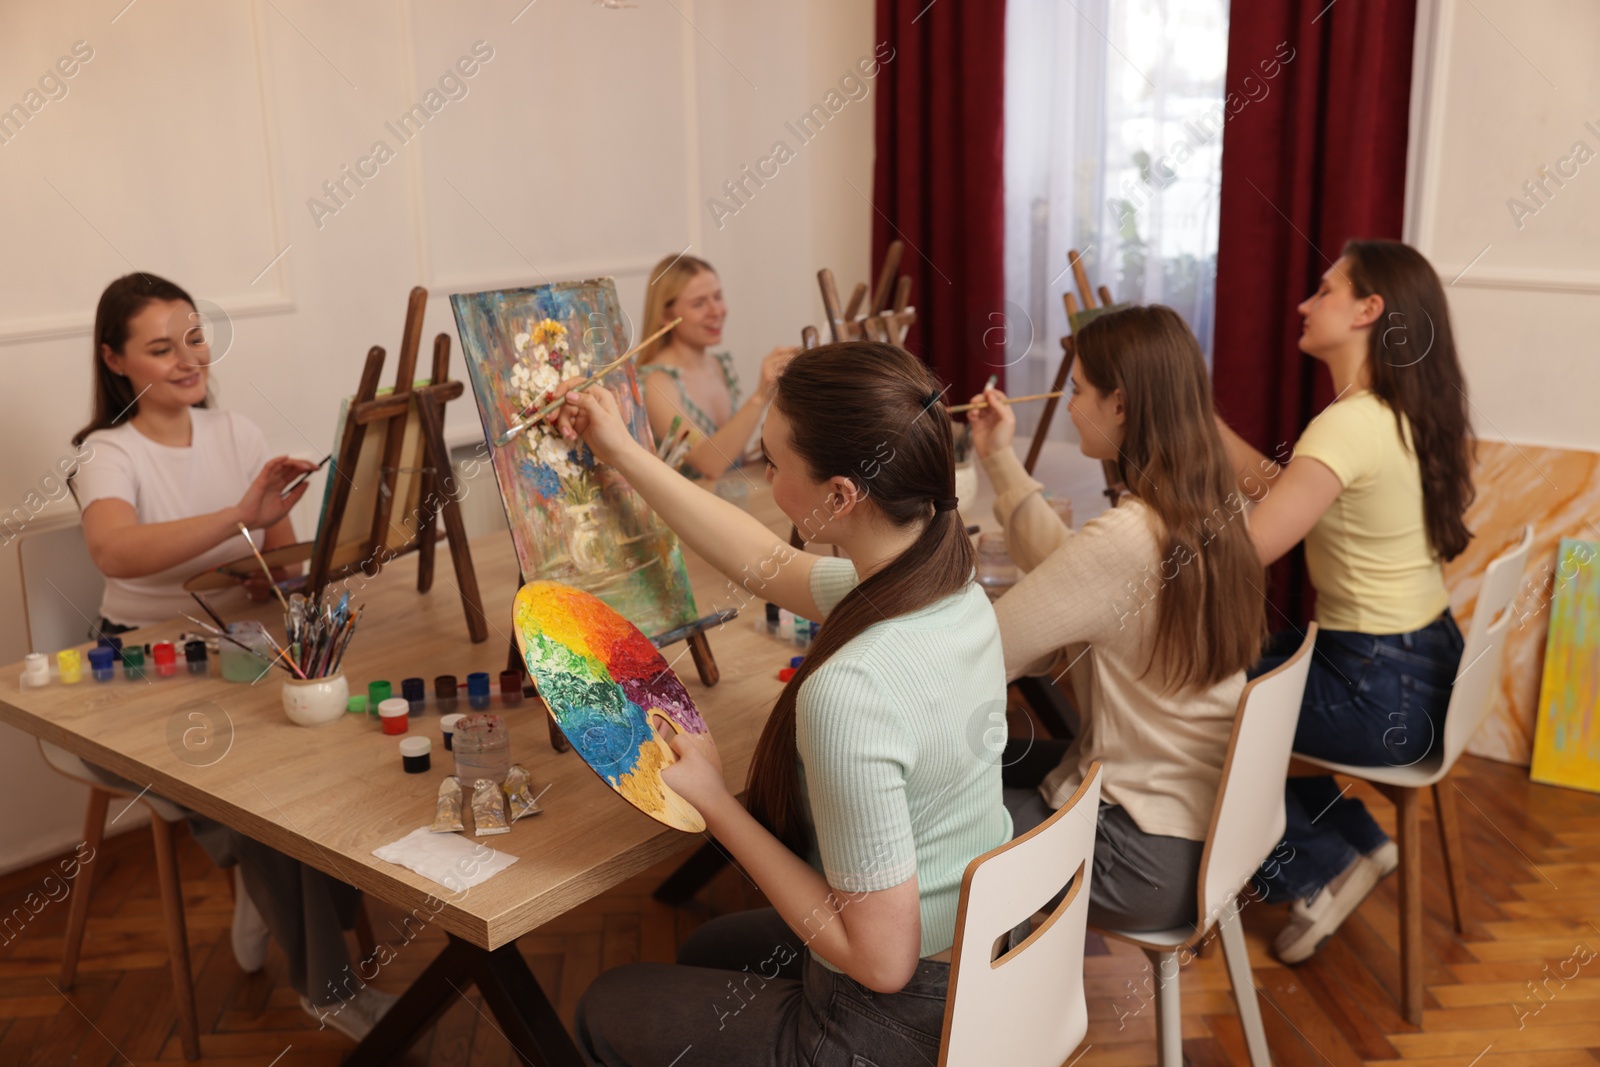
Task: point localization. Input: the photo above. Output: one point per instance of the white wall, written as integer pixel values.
(1502, 89)
(192, 140)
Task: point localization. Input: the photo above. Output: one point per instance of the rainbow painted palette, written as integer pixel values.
(601, 679)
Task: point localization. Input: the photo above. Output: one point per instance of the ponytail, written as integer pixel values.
(870, 412)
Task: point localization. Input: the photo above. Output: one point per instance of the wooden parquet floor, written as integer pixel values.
(1522, 987)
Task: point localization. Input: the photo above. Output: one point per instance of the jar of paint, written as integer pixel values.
(35, 669)
(478, 690)
(482, 747)
(377, 693)
(315, 701)
(444, 694)
(248, 663)
(356, 705)
(511, 688)
(102, 660)
(447, 727)
(415, 690)
(194, 654)
(133, 663)
(414, 756)
(165, 656)
(70, 663)
(394, 714)
(112, 642)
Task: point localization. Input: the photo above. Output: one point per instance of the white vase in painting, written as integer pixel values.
(588, 543)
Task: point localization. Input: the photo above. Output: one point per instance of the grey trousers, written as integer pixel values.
(306, 911)
(1141, 881)
(746, 991)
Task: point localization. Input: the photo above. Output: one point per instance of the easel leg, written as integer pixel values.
(439, 456)
(692, 875)
(704, 661)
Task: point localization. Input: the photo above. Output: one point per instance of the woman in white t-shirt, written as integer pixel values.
(163, 493)
(170, 479)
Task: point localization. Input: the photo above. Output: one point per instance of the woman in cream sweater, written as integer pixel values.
(1155, 607)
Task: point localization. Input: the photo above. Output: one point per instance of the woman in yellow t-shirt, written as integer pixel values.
(1377, 487)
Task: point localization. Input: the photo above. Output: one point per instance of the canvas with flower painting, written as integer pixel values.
(572, 520)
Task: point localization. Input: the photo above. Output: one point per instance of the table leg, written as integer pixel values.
(692, 875)
(520, 1008)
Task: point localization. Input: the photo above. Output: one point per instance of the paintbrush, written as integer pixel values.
(959, 408)
(292, 486)
(666, 443)
(539, 414)
(208, 610)
(271, 581)
(679, 450)
(223, 635)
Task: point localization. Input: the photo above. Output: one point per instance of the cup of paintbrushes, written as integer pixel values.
(316, 701)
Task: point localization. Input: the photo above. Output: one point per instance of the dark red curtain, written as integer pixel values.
(1320, 157)
(939, 181)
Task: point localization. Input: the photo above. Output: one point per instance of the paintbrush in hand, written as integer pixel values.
(959, 408)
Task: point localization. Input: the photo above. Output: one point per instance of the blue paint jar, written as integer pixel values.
(102, 662)
(415, 690)
(478, 690)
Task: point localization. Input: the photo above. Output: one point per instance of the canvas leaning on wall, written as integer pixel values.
(1566, 739)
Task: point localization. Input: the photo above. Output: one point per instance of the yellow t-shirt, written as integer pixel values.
(1369, 556)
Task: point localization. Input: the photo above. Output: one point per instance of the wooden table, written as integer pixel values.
(329, 795)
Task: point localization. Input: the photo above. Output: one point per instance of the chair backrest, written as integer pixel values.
(1037, 987)
(61, 587)
(1478, 677)
(1247, 821)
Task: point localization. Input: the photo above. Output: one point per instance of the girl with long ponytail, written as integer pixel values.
(866, 797)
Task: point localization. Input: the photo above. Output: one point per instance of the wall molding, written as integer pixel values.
(247, 303)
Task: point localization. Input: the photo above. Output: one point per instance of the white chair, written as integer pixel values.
(1471, 698)
(163, 816)
(1024, 1007)
(1246, 826)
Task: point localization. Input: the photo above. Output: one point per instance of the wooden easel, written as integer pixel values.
(367, 409)
(880, 322)
(1075, 319)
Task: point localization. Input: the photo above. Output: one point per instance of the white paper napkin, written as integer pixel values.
(453, 862)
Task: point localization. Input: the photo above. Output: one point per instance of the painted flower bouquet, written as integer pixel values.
(545, 359)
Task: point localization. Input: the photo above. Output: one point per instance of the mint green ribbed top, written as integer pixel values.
(900, 735)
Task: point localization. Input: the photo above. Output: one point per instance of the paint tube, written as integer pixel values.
(447, 816)
(488, 810)
(519, 793)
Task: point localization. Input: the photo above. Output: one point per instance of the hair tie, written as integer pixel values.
(932, 399)
(947, 504)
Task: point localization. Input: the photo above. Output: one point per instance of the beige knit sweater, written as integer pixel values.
(1088, 603)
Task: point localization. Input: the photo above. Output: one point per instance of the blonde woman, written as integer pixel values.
(684, 380)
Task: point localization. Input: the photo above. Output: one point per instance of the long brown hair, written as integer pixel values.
(868, 412)
(1411, 354)
(1210, 607)
(114, 399)
(667, 280)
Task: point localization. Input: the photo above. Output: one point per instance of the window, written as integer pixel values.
(1113, 146)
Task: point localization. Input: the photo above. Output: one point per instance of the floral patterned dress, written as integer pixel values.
(703, 424)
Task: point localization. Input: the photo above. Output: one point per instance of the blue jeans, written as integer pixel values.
(1371, 701)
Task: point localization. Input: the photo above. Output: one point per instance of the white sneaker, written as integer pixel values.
(1387, 857)
(250, 933)
(354, 1018)
(1312, 921)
